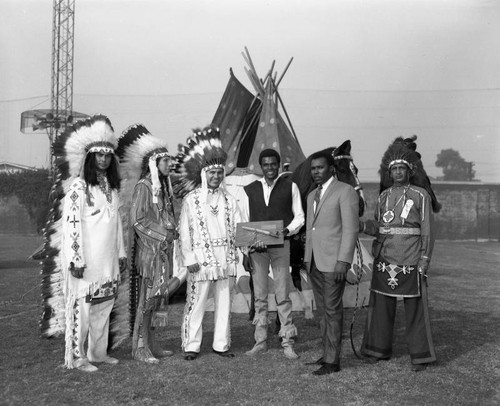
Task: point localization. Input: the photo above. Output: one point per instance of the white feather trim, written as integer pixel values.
(132, 162)
(78, 143)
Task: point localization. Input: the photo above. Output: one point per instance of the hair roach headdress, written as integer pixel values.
(404, 150)
(203, 151)
(70, 149)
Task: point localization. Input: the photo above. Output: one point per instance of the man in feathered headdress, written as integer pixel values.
(92, 251)
(403, 228)
(207, 228)
(152, 229)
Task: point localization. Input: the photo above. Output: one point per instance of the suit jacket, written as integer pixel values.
(332, 231)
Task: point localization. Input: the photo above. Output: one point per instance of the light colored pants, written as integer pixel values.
(279, 259)
(196, 300)
(92, 320)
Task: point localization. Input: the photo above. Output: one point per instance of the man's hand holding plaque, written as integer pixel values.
(258, 235)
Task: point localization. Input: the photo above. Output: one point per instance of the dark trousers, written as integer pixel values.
(377, 341)
(328, 297)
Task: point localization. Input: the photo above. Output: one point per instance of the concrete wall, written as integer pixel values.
(471, 211)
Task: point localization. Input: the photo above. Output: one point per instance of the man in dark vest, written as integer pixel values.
(273, 198)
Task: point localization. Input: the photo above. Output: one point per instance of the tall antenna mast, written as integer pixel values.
(63, 28)
(61, 114)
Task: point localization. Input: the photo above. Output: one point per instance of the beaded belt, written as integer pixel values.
(219, 242)
(399, 230)
(216, 242)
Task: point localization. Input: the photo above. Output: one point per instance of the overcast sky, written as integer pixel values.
(367, 71)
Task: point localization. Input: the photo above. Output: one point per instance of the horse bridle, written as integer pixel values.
(358, 189)
(351, 166)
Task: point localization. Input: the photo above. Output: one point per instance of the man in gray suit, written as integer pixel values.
(332, 229)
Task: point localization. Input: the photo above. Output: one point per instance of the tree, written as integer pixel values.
(32, 189)
(454, 166)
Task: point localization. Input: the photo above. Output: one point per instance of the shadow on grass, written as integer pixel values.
(458, 333)
(455, 333)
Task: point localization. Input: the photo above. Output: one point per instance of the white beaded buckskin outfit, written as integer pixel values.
(91, 237)
(207, 227)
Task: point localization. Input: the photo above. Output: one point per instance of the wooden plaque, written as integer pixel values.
(269, 232)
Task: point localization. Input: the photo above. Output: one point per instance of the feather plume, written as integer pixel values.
(69, 149)
(136, 147)
(203, 149)
(406, 149)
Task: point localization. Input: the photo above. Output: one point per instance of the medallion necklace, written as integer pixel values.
(389, 213)
(214, 208)
(104, 186)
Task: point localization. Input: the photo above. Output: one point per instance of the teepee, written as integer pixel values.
(250, 123)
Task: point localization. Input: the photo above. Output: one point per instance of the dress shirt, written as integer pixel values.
(325, 186)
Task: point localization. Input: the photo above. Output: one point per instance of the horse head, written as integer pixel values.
(347, 171)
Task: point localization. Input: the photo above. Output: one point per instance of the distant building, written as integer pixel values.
(9, 167)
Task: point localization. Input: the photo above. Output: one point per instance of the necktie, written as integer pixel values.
(317, 197)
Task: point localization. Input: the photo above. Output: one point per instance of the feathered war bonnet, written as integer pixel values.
(202, 152)
(138, 151)
(70, 149)
(404, 151)
(94, 134)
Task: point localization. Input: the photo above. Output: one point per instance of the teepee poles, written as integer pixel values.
(249, 61)
(269, 74)
(255, 82)
(283, 74)
(252, 73)
(259, 84)
(286, 113)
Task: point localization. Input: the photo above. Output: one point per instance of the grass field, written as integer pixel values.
(464, 302)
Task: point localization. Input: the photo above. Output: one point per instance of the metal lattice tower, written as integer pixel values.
(61, 114)
(62, 59)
